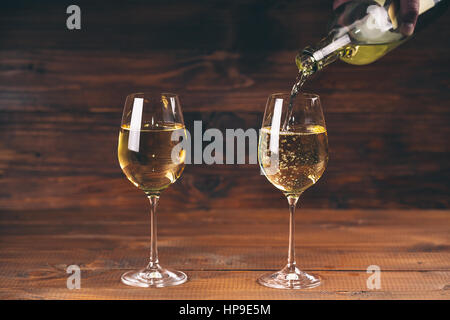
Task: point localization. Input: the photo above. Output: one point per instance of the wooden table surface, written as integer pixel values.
(224, 251)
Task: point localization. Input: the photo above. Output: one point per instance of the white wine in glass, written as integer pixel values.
(147, 140)
(151, 167)
(293, 154)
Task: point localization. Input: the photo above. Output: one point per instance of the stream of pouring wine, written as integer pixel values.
(299, 81)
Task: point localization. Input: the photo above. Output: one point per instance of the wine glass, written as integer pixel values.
(150, 157)
(292, 154)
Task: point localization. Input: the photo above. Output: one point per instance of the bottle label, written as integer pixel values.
(426, 5)
(392, 12)
(380, 2)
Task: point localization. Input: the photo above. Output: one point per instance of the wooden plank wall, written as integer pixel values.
(62, 93)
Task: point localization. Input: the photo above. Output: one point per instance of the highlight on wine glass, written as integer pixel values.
(146, 156)
(292, 154)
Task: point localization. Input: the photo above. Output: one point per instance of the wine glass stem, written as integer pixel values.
(154, 199)
(292, 199)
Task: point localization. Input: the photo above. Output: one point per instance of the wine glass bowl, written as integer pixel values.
(292, 154)
(149, 157)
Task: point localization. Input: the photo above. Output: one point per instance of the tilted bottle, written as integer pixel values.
(362, 32)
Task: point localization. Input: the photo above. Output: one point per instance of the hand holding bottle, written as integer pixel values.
(363, 31)
(409, 11)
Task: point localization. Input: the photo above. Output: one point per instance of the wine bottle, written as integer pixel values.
(362, 32)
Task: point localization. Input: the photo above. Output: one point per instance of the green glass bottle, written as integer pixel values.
(362, 32)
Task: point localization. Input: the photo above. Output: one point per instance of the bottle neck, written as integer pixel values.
(312, 59)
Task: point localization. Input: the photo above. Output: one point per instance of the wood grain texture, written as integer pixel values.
(223, 252)
(62, 92)
(240, 285)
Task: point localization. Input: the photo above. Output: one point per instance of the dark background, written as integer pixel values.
(62, 93)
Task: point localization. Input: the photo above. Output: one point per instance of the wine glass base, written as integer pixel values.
(289, 278)
(155, 277)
